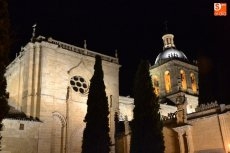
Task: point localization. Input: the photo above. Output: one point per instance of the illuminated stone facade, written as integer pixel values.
(173, 74)
(203, 131)
(49, 83)
(188, 128)
(20, 136)
(37, 82)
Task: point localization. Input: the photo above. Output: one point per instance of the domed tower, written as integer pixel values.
(173, 74)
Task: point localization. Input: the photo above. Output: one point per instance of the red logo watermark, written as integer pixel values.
(220, 9)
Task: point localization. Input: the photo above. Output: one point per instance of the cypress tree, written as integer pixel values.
(146, 126)
(4, 51)
(96, 133)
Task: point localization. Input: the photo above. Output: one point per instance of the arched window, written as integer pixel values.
(58, 133)
(155, 82)
(193, 82)
(183, 80)
(167, 81)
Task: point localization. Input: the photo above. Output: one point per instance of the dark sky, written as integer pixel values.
(135, 29)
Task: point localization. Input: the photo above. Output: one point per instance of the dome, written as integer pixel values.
(169, 50)
(170, 53)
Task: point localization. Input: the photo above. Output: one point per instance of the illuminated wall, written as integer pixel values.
(38, 80)
(20, 136)
(173, 78)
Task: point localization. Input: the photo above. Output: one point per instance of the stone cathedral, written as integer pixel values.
(48, 83)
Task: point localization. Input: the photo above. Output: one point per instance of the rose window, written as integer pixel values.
(79, 84)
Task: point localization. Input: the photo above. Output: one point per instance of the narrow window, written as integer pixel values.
(193, 82)
(156, 88)
(167, 81)
(183, 80)
(21, 126)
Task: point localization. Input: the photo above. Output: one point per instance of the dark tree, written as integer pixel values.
(146, 126)
(96, 137)
(4, 51)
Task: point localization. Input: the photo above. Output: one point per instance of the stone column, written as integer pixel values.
(20, 85)
(181, 104)
(181, 141)
(27, 108)
(37, 80)
(127, 135)
(224, 131)
(180, 131)
(189, 139)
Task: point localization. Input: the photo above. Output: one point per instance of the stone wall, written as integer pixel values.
(206, 133)
(20, 136)
(39, 85)
(170, 140)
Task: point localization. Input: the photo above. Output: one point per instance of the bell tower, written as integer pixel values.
(173, 74)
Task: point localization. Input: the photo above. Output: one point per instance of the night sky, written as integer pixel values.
(135, 29)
